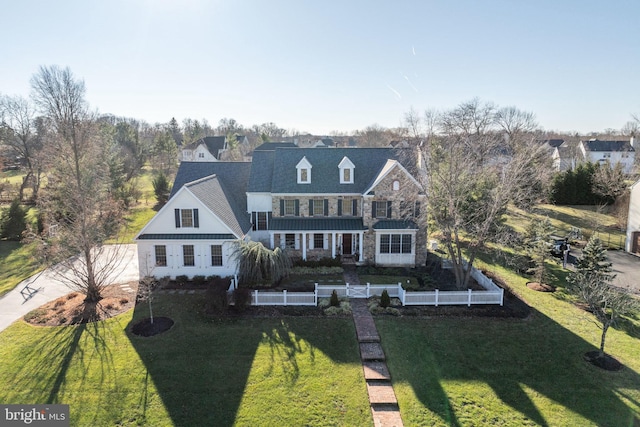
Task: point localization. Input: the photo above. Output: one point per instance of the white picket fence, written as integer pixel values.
(436, 298)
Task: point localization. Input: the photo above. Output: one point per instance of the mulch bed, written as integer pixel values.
(605, 362)
(540, 287)
(145, 328)
(70, 309)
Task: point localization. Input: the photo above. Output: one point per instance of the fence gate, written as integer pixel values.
(358, 291)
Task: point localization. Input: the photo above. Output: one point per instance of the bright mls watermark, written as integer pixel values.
(34, 415)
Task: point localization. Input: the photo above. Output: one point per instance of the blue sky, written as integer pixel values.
(322, 66)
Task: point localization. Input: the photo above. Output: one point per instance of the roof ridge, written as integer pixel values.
(200, 180)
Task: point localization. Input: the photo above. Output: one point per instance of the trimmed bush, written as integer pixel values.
(198, 280)
(216, 298)
(14, 222)
(385, 301)
(242, 298)
(182, 279)
(334, 301)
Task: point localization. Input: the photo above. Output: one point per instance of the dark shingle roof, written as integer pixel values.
(614, 146)
(271, 146)
(186, 236)
(221, 186)
(277, 174)
(316, 224)
(214, 144)
(395, 224)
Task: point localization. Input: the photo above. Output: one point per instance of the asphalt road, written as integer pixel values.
(625, 266)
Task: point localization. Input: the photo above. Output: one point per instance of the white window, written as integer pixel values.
(304, 171)
(318, 241)
(290, 241)
(188, 256)
(289, 207)
(187, 218)
(395, 244)
(396, 185)
(318, 207)
(216, 255)
(346, 171)
(161, 255)
(201, 155)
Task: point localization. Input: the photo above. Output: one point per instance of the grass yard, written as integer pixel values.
(478, 371)
(18, 263)
(238, 371)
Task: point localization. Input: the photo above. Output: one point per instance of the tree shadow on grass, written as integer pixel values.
(200, 367)
(515, 359)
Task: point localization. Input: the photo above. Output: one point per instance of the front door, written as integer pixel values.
(346, 244)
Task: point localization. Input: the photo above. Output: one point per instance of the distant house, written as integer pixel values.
(632, 242)
(565, 157)
(613, 152)
(207, 149)
(324, 142)
(357, 203)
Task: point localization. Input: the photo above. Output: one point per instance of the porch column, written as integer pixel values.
(271, 240)
(360, 239)
(304, 246)
(333, 245)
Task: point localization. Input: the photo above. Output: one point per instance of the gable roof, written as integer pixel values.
(275, 171)
(271, 146)
(221, 186)
(595, 145)
(214, 144)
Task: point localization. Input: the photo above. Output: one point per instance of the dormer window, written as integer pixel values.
(304, 171)
(346, 171)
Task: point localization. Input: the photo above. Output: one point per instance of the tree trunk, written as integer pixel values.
(605, 327)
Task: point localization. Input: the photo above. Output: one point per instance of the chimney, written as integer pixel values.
(633, 141)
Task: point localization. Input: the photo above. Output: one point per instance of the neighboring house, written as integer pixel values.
(324, 142)
(632, 243)
(360, 203)
(597, 151)
(564, 157)
(208, 149)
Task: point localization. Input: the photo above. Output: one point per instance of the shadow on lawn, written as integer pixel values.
(548, 362)
(200, 367)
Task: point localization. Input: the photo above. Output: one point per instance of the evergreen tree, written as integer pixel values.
(594, 259)
(161, 188)
(14, 222)
(538, 236)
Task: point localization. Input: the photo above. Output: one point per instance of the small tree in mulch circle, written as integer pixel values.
(591, 284)
(538, 236)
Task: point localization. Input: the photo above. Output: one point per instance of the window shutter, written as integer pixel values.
(326, 207)
(177, 212)
(196, 220)
(254, 220)
(339, 207)
(417, 211)
(389, 209)
(310, 207)
(373, 209)
(281, 207)
(297, 207)
(269, 216)
(354, 207)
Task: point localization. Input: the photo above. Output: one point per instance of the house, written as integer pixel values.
(632, 242)
(612, 152)
(207, 149)
(564, 157)
(357, 203)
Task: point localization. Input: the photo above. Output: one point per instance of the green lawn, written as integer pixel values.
(479, 371)
(17, 262)
(241, 371)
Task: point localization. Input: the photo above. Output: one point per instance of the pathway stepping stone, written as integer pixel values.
(381, 393)
(374, 370)
(371, 351)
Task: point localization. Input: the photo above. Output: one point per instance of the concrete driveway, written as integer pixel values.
(627, 269)
(48, 285)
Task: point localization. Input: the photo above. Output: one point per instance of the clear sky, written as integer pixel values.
(320, 66)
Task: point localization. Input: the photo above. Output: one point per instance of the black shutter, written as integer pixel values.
(417, 211)
(254, 220)
(281, 207)
(389, 209)
(269, 216)
(339, 207)
(297, 207)
(196, 219)
(310, 207)
(373, 209)
(354, 207)
(177, 211)
(326, 207)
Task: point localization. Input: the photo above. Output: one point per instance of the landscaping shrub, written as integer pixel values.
(242, 298)
(198, 280)
(318, 271)
(182, 279)
(216, 297)
(14, 222)
(334, 301)
(385, 301)
(323, 262)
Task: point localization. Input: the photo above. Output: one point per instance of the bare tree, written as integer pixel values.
(77, 199)
(515, 123)
(609, 182)
(18, 123)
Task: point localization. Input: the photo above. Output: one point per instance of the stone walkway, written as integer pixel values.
(384, 405)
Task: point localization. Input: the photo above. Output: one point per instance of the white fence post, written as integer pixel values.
(437, 297)
(501, 296)
(315, 296)
(348, 289)
(284, 292)
(255, 297)
(469, 301)
(368, 285)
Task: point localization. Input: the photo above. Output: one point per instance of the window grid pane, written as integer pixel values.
(262, 221)
(381, 209)
(406, 243)
(318, 207)
(186, 216)
(384, 243)
(216, 255)
(318, 241)
(161, 256)
(395, 243)
(290, 241)
(289, 207)
(188, 255)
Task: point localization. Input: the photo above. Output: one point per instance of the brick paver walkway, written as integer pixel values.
(384, 405)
